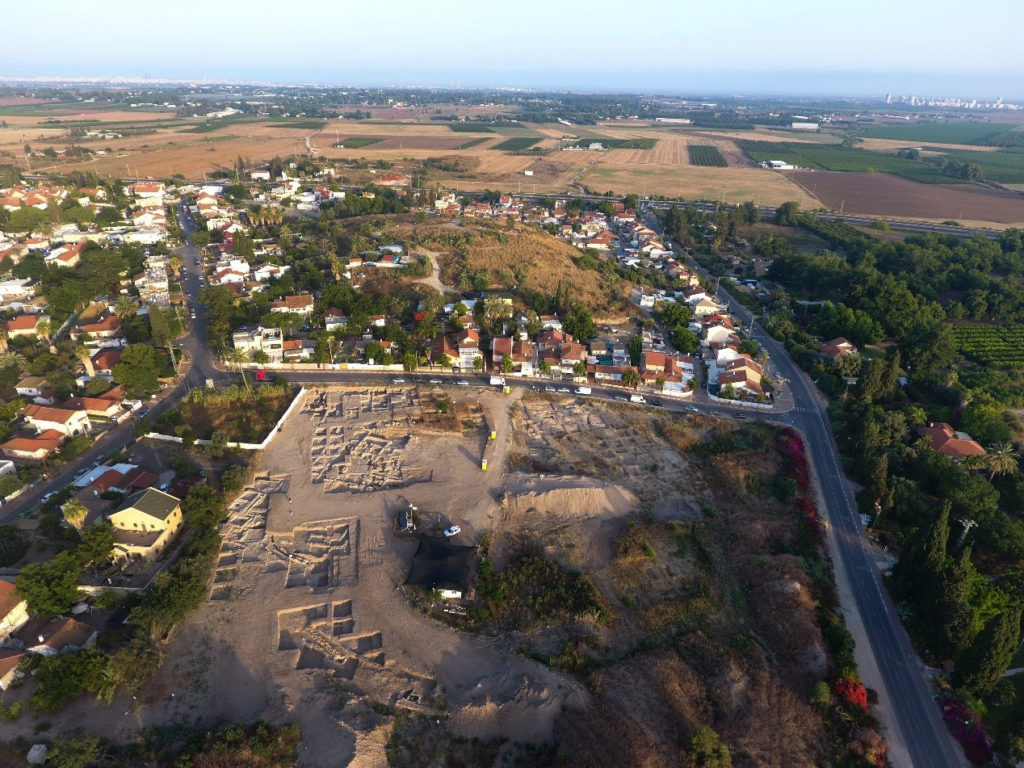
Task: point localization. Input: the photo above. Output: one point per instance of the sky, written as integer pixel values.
(925, 47)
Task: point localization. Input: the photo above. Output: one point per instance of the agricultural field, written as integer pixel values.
(357, 142)
(928, 132)
(469, 128)
(473, 142)
(1005, 167)
(880, 194)
(1000, 346)
(697, 183)
(705, 154)
(837, 158)
(516, 144)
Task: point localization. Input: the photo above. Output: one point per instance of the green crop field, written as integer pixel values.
(1001, 346)
(516, 144)
(1003, 166)
(469, 128)
(473, 142)
(938, 133)
(705, 154)
(833, 157)
(358, 142)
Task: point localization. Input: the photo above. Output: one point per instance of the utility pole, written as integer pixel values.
(967, 524)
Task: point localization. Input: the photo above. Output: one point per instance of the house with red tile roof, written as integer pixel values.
(10, 661)
(106, 408)
(300, 304)
(468, 343)
(67, 421)
(33, 448)
(25, 325)
(105, 328)
(105, 360)
(58, 636)
(443, 345)
(838, 347)
(947, 441)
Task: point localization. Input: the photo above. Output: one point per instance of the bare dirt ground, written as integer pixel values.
(882, 194)
(305, 620)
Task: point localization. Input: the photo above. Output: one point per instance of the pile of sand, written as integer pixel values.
(584, 498)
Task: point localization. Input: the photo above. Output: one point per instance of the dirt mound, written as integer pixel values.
(586, 500)
(574, 524)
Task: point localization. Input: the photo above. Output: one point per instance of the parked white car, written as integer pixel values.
(453, 531)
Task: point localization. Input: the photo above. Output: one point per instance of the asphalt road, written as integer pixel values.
(917, 718)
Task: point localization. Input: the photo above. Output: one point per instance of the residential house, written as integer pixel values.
(13, 610)
(742, 375)
(107, 327)
(25, 325)
(259, 339)
(608, 372)
(704, 308)
(10, 661)
(522, 357)
(333, 319)
(33, 448)
(95, 406)
(694, 294)
(66, 421)
(269, 272)
(675, 371)
(149, 190)
(145, 523)
(443, 346)
(300, 304)
(550, 321)
(103, 362)
(947, 441)
(501, 347)
(65, 256)
(65, 635)
(838, 347)
(296, 349)
(16, 288)
(393, 180)
(468, 343)
(36, 388)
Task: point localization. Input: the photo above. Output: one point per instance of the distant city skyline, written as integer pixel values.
(931, 49)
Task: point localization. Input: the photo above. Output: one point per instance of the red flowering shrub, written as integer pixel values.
(851, 692)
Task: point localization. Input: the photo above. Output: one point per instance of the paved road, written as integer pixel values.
(920, 730)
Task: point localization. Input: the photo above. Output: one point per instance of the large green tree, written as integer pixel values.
(989, 655)
(50, 588)
(954, 604)
(138, 370)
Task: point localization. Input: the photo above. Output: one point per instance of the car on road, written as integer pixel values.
(462, 383)
(452, 531)
(565, 389)
(435, 381)
(550, 389)
(655, 401)
(398, 381)
(47, 497)
(690, 409)
(26, 512)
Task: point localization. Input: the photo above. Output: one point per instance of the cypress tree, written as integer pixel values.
(953, 605)
(990, 653)
(922, 565)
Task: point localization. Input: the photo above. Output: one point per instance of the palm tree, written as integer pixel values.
(125, 308)
(239, 357)
(1001, 459)
(75, 513)
(7, 359)
(84, 354)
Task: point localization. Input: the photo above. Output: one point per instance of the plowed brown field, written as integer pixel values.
(884, 195)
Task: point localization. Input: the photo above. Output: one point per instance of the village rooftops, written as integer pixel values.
(152, 502)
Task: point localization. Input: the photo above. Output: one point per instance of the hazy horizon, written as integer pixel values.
(645, 47)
